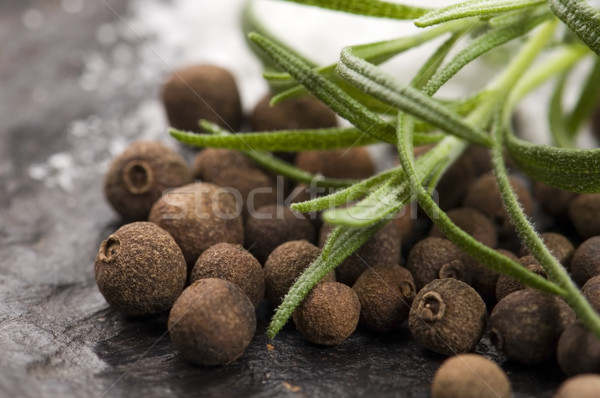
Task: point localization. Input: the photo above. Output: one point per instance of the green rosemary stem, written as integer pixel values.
(533, 242)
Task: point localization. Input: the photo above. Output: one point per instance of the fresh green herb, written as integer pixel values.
(382, 109)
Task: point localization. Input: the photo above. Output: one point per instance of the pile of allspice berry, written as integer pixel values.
(209, 242)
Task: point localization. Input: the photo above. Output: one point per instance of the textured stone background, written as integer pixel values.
(72, 94)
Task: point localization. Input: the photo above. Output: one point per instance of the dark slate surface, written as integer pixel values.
(57, 335)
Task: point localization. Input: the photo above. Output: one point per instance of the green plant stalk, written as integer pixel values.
(588, 100)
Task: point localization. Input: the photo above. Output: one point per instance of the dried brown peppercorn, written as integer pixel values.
(585, 263)
(484, 278)
(328, 314)
(470, 376)
(581, 386)
(507, 285)
(435, 258)
(233, 263)
(559, 245)
(448, 317)
(382, 248)
(339, 163)
(232, 169)
(385, 292)
(140, 270)
(484, 196)
(526, 325)
(138, 177)
(583, 213)
(212, 322)
(578, 351)
(285, 264)
(591, 291)
(553, 201)
(306, 112)
(273, 225)
(198, 216)
(202, 92)
(473, 222)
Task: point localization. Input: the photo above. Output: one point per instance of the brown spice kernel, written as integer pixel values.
(232, 169)
(591, 291)
(233, 263)
(507, 285)
(212, 322)
(485, 279)
(585, 263)
(553, 201)
(526, 325)
(484, 196)
(434, 258)
(137, 178)
(273, 225)
(306, 112)
(583, 213)
(382, 248)
(328, 314)
(470, 376)
(199, 215)
(473, 222)
(559, 245)
(340, 163)
(202, 92)
(140, 270)
(447, 316)
(285, 264)
(581, 386)
(578, 351)
(385, 292)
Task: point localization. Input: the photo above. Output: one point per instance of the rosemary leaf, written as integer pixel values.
(372, 8)
(473, 8)
(581, 18)
(285, 140)
(556, 120)
(588, 100)
(575, 170)
(382, 86)
(340, 102)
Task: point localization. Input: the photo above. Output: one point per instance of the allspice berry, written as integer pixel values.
(484, 278)
(585, 263)
(583, 213)
(578, 350)
(447, 316)
(285, 264)
(382, 248)
(507, 285)
(212, 322)
(436, 258)
(273, 225)
(198, 216)
(526, 325)
(385, 292)
(581, 386)
(232, 169)
(473, 222)
(202, 92)
(591, 291)
(559, 245)
(553, 201)
(484, 195)
(470, 376)
(338, 163)
(138, 177)
(231, 262)
(140, 270)
(328, 314)
(305, 112)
